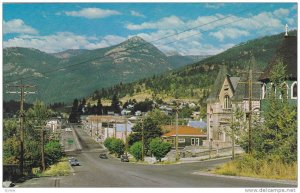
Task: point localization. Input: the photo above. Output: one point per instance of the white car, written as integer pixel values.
(68, 129)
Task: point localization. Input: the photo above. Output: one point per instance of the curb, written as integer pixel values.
(287, 182)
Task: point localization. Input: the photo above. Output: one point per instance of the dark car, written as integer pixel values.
(124, 158)
(103, 156)
(74, 162)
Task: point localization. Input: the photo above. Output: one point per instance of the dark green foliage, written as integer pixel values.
(115, 104)
(115, 146)
(53, 152)
(277, 134)
(107, 143)
(136, 150)
(159, 148)
(75, 113)
(151, 131)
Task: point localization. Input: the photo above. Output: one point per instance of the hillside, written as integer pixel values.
(128, 61)
(194, 81)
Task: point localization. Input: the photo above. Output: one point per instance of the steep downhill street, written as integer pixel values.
(96, 172)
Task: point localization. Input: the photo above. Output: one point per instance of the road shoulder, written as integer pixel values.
(286, 182)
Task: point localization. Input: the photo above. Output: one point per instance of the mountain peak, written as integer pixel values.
(136, 39)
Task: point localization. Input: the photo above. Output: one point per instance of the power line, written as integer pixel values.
(137, 46)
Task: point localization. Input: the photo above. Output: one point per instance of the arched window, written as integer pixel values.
(227, 102)
(263, 91)
(294, 90)
(283, 91)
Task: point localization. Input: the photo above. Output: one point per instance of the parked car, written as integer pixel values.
(73, 161)
(68, 129)
(124, 158)
(103, 156)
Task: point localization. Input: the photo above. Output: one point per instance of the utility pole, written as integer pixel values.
(126, 142)
(143, 137)
(176, 138)
(250, 97)
(42, 146)
(21, 90)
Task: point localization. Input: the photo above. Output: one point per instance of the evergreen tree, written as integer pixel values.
(75, 115)
(99, 107)
(115, 104)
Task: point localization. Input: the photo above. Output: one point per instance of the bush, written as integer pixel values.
(53, 152)
(269, 167)
(159, 148)
(117, 146)
(114, 145)
(107, 143)
(136, 150)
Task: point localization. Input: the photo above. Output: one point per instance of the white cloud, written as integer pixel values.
(92, 13)
(136, 14)
(214, 5)
(62, 41)
(164, 23)
(17, 26)
(281, 12)
(231, 33)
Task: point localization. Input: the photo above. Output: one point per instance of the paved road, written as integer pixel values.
(95, 172)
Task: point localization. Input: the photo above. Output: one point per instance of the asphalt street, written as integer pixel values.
(96, 172)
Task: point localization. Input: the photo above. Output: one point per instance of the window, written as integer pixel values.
(227, 103)
(294, 90)
(192, 141)
(283, 91)
(263, 91)
(181, 140)
(197, 141)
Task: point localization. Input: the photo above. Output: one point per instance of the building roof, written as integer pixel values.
(287, 52)
(182, 131)
(234, 81)
(197, 124)
(214, 94)
(242, 89)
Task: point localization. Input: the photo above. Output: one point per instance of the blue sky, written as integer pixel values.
(215, 27)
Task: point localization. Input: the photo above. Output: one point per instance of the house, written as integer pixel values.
(219, 107)
(53, 125)
(287, 53)
(101, 127)
(187, 136)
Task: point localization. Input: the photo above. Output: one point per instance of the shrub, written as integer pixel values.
(136, 150)
(53, 152)
(269, 167)
(117, 146)
(159, 148)
(107, 143)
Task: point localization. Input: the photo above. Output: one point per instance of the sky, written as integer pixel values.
(174, 28)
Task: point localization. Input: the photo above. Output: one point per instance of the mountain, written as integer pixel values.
(195, 81)
(63, 76)
(69, 53)
(178, 60)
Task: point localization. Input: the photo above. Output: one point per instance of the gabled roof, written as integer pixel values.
(214, 94)
(288, 53)
(182, 131)
(242, 89)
